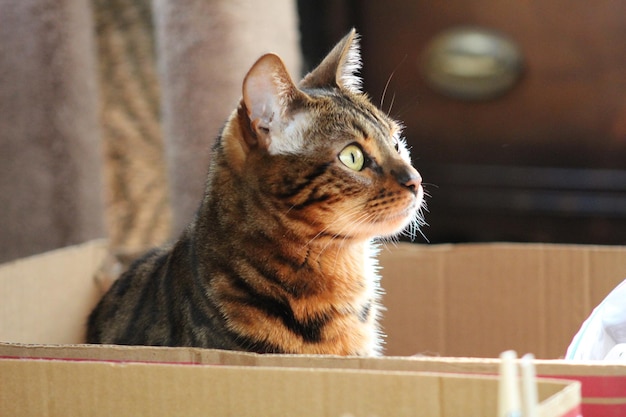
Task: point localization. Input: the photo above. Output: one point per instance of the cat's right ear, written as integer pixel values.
(339, 68)
(267, 93)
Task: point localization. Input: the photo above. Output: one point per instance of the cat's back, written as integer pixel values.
(112, 319)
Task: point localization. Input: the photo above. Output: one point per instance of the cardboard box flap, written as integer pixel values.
(46, 298)
(481, 299)
(603, 384)
(198, 356)
(113, 388)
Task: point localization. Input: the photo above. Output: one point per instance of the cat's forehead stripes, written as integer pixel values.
(358, 127)
(360, 115)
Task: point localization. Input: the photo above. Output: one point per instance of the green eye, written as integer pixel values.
(352, 157)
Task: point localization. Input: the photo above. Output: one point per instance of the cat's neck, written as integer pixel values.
(238, 224)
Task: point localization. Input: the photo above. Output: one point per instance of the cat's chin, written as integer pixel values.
(390, 225)
(394, 223)
(393, 226)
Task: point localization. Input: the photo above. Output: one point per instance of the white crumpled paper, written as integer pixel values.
(603, 335)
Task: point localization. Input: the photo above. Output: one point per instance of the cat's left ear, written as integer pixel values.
(339, 68)
(268, 92)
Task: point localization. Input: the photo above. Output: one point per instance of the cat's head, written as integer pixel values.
(329, 161)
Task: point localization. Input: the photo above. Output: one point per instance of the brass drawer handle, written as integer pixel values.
(472, 63)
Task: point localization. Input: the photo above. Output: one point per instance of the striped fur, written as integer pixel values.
(279, 257)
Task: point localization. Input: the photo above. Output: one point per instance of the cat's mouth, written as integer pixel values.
(397, 219)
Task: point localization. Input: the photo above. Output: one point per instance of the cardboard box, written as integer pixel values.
(241, 386)
(481, 299)
(457, 300)
(603, 385)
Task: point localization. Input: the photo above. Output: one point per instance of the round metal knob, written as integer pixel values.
(472, 63)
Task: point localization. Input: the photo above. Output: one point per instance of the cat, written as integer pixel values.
(280, 257)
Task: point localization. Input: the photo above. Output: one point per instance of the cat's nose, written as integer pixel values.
(409, 177)
(414, 182)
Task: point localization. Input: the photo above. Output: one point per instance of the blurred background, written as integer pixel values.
(525, 148)
(515, 111)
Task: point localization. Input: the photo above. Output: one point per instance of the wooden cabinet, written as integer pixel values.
(546, 161)
(568, 109)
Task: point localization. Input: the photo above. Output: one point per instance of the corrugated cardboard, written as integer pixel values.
(46, 298)
(481, 299)
(603, 385)
(62, 387)
(463, 300)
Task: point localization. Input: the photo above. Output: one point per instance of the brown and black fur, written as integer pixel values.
(279, 256)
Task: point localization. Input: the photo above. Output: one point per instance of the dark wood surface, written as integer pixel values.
(569, 108)
(555, 145)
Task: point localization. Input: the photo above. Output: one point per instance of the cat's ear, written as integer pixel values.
(339, 68)
(268, 92)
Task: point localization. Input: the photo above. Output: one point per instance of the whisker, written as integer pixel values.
(337, 234)
(382, 99)
(411, 103)
(393, 99)
(325, 229)
(362, 219)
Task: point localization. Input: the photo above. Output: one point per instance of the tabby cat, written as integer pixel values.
(279, 257)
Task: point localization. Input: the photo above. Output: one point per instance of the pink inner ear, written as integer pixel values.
(266, 90)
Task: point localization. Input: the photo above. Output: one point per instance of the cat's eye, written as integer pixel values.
(352, 157)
